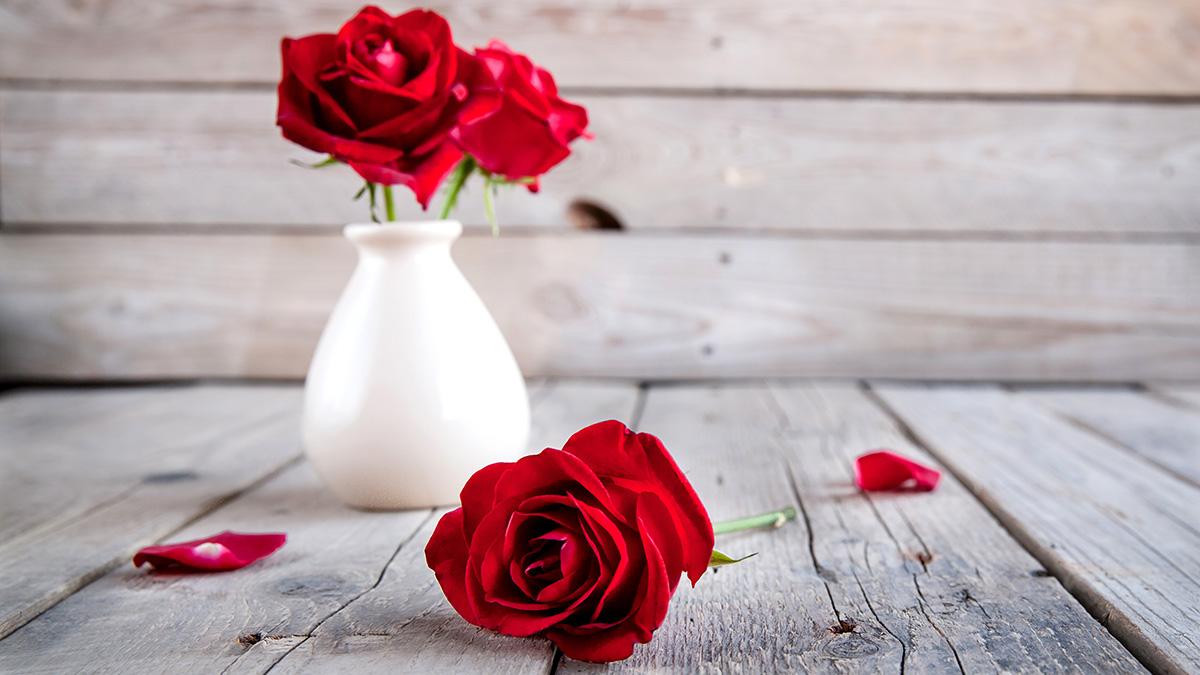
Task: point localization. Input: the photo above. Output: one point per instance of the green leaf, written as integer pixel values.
(361, 191)
(328, 161)
(718, 559)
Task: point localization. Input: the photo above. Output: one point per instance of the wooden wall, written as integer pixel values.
(967, 189)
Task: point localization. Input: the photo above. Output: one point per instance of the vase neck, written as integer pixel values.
(381, 238)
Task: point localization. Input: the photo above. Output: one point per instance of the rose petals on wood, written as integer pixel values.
(218, 553)
(885, 470)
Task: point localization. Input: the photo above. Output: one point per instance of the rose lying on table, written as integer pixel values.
(584, 545)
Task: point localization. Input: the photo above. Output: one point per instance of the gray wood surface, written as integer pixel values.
(127, 306)
(1118, 46)
(879, 583)
(349, 588)
(1188, 395)
(162, 159)
(134, 621)
(87, 477)
(1117, 530)
(1165, 434)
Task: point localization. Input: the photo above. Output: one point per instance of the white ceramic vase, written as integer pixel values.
(412, 387)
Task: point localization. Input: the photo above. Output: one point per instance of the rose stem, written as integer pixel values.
(389, 205)
(489, 206)
(459, 178)
(772, 519)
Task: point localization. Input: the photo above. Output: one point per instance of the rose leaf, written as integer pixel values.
(718, 559)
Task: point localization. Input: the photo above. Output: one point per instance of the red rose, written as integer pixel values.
(382, 95)
(584, 545)
(527, 132)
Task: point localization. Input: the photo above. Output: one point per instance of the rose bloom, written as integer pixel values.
(381, 95)
(527, 131)
(584, 545)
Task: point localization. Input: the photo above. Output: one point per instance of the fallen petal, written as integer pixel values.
(218, 553)
(885, 470)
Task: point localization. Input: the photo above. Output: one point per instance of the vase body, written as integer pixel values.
(412, 387)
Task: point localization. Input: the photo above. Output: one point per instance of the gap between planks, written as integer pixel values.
(521, 231)
(116, 85)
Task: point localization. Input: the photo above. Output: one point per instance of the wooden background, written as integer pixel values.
(961, 189)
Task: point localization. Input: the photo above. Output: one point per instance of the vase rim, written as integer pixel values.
(398, 231)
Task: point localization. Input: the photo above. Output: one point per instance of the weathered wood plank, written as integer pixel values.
(1116, 46)
(1186, 394)
(339, 566)
(1117, 531)
(90, 476)
(204, 158)
(407, 615)
(126, 306)
(134, 621)
(1164, 434)
(923, 583)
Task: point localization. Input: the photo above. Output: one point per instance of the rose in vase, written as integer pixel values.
(402, 104)
(382, 95)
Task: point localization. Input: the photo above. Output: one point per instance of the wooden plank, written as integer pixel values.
(1186, 394)
(341, 569)
(90, 476)
(1165, 434)
(1117, 531)
(1116, 46)
(862, 583)
(132, 621)
(125, 306)
(205, 158)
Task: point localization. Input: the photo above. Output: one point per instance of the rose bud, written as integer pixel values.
(528, 130)
(381, 95)
(583, 545)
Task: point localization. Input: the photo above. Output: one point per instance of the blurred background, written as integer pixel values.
(943, 189)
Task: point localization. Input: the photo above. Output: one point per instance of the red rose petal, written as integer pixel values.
(218, 553)
(885, 470)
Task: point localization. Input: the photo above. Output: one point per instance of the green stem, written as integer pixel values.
(772, 519)
(489, 203)
(459, 178)
(389, 205)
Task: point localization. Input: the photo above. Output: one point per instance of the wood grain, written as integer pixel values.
(90, 476)
(339, 568)
(1188, 395)
(1074, 46)
(1164, 434)
(213, 158)
(126, 306)
(880, 583)
(1117, 531)
(131, 620)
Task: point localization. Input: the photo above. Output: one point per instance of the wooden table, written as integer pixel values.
(1065, 535)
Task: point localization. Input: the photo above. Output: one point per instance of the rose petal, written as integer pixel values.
(446, 555)
(885, 470)
(611, 449)
(548, 472)
(218, 553)
(478, 495)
